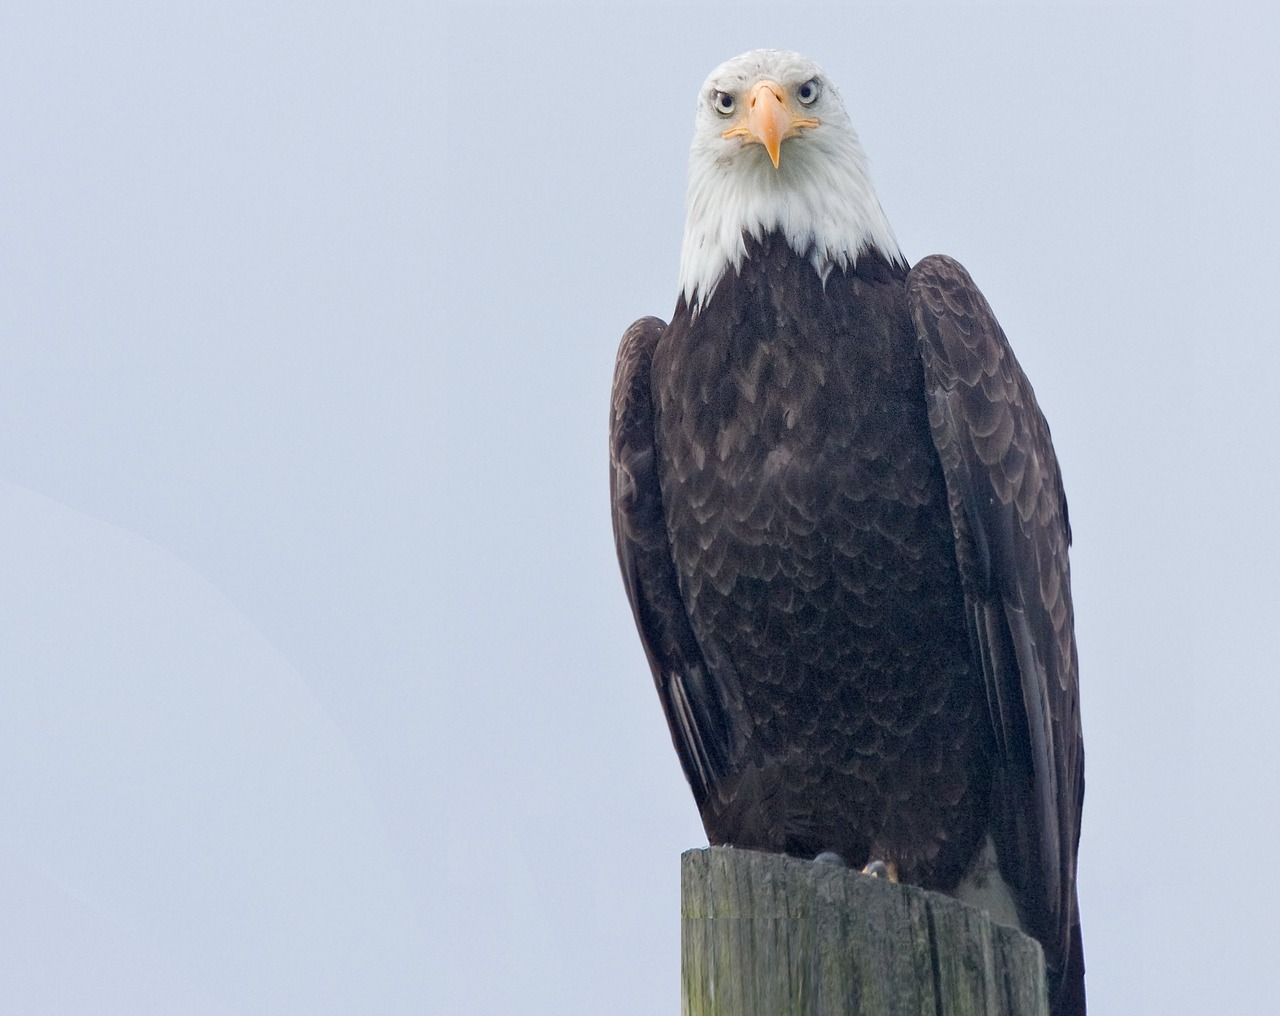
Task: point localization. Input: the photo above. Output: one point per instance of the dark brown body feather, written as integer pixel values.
(842, 531)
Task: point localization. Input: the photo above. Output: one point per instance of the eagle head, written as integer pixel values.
(773, 150)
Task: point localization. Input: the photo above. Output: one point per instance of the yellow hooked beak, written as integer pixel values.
(769, 119)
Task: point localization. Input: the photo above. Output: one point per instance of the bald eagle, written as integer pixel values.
(842, 530)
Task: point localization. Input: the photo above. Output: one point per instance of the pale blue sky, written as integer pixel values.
(318, 689)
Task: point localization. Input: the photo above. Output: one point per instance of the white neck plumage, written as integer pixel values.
(820, 198)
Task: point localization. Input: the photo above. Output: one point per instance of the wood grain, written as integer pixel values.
(771, 935)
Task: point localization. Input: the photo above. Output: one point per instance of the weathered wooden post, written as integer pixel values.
(768, 935)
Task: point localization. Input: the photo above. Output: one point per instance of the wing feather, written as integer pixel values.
(1009, 513)
(692, 696)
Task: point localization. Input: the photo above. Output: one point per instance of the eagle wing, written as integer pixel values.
(692, 699)
(1009, 513)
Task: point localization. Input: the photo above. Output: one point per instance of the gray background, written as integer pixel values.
(318, 689)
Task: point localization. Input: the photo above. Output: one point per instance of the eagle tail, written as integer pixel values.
(1070, 1000)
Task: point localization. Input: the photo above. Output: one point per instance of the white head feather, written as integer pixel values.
(819, 197)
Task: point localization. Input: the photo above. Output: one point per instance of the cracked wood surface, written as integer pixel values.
(771, 935)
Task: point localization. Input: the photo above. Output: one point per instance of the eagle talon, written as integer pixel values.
(882, 869)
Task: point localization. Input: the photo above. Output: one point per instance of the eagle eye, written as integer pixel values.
(722, 102)
(808, 92)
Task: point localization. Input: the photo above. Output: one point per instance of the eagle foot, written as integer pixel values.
(882, 869)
